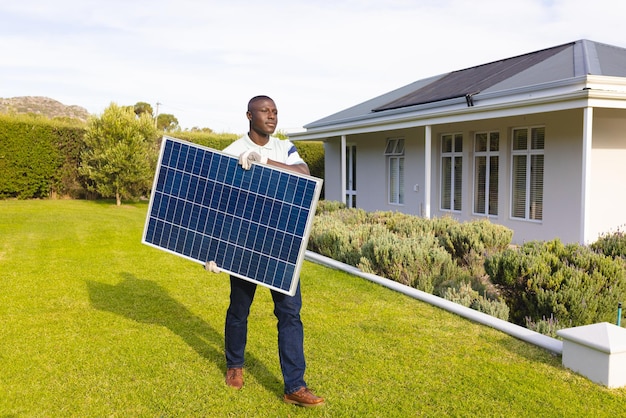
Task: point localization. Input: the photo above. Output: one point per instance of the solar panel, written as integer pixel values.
(253, 223)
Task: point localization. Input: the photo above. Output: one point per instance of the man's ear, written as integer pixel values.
(249, 115)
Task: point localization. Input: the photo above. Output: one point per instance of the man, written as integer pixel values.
(259, 146)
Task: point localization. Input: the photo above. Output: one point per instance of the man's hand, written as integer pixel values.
(248, 157)
(212, 267)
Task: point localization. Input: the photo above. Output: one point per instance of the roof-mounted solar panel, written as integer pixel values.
(254, 224)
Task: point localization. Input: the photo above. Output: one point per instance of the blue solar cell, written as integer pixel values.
(253, 223)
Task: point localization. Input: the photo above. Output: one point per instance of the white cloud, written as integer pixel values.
(203, 59)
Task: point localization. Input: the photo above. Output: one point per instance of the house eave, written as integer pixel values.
(571, 93)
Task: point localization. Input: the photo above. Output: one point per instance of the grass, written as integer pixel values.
(93, 323)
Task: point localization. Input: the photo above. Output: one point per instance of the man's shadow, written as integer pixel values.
(146, 302)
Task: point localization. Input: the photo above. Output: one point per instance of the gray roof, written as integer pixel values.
(560, 62)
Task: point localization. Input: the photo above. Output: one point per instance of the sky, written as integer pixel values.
(202, 60)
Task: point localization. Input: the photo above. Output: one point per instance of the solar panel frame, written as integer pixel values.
(254, 224)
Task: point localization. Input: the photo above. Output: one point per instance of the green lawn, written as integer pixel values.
(94, 324)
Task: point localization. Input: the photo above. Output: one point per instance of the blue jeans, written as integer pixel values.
(290, 331)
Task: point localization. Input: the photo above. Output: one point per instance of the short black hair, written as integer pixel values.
(257, 98)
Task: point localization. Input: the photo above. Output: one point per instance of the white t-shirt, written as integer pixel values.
(281, 150)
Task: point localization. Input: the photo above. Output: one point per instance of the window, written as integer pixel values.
(395, 163)
(486, 169)
(527, 173)
(451, 171)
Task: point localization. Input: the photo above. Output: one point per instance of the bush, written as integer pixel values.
(326, 206)
(611, 244)
(406, 248)
(473, 264)
(470, 242)
(332, 239)
(416, 261)
(465, 295)
(547, 326)
(571, 283)
(39, 157)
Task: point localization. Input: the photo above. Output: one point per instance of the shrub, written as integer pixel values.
(611, 244)
(466, 296)
(402, 224)
(350, 217)
(470, 242)
(571, 283)
(416, 261)
(547, 326)
(408, 249)
(326, 206)
(332, 239)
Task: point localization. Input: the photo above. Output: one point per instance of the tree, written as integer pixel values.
(167, 122)
(120, 153)
(143, 107)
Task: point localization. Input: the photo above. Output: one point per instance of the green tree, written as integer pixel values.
(167, 122)
(142, 107)
(120, 153)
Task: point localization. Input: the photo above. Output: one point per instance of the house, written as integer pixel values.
(536, 142)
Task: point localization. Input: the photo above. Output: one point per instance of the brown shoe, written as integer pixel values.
(303, 397)
(234, 377)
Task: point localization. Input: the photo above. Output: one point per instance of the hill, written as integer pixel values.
(43, 106)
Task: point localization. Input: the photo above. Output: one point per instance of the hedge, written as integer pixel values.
(38, 157)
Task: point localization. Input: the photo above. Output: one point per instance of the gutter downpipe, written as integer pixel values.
(548, 343)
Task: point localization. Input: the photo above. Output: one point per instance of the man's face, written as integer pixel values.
(263, 116)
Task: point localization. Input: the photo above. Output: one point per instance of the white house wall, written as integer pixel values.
(608, 173)
(562, 174)
(371, 172)
(563, 199)
(332, 170)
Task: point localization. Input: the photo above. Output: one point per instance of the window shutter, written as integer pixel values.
(393, 184)
(446, 182)
(480, 183)
(493, 184)
(519, 186)
(536, 187)
(458, 182)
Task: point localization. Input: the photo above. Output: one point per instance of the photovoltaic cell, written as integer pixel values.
(253, 223)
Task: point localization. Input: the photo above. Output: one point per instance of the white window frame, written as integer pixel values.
(491, 154)
(534, 163)
(394, 151)
(454, 196)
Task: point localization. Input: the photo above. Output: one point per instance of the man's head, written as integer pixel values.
(263, 116)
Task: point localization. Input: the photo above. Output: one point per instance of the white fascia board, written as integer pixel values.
(606, 83)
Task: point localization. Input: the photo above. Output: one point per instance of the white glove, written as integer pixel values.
(248, 157)
(212, 267)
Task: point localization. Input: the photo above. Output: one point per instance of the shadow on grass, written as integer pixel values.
(146, 302)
